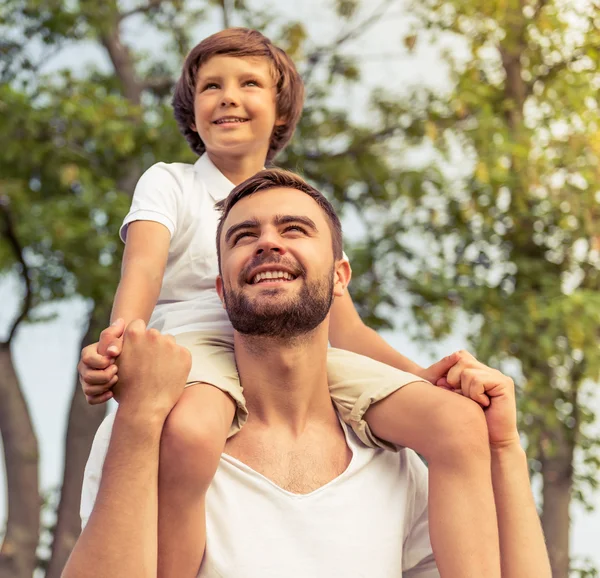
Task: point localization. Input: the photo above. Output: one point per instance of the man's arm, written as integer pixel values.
(120, 539)
(522, 547)
(121, 536)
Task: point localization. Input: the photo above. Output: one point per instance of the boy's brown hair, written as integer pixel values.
(241, 42)
(274, 179)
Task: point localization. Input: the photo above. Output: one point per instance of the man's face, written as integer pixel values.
(278, 272)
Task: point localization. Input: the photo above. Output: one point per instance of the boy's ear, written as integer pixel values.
(193, 127)
(343, 274)
(219, 287)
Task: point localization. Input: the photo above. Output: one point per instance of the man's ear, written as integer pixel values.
(219, 288)
(343, 274)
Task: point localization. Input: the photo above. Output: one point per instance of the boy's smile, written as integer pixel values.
(235, 108)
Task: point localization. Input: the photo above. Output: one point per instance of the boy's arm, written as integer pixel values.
(142, 270)
(347, 331)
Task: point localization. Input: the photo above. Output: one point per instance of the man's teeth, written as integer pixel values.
(265, 275)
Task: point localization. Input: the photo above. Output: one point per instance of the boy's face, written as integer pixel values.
(235, 106)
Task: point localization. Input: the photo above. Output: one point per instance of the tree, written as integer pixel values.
(74, 145)
(514, 238)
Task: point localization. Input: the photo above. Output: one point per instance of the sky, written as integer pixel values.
(46, 353)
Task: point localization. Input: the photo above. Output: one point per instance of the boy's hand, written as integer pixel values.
(153, 371)
(97, 369)
(440, 368)
(493, 390)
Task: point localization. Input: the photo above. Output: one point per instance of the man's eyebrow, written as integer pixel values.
(285, 219)
(247, 224)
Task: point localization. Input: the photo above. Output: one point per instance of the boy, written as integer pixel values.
(237, 103)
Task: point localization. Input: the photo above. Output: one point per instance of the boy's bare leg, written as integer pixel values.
(450, 432)
(192, 442)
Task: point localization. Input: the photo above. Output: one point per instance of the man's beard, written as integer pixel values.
(285, 318)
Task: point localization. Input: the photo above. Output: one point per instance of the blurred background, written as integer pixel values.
(460, 141)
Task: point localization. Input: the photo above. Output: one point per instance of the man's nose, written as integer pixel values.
(269, 243)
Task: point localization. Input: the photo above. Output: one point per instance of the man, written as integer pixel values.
(295, 494)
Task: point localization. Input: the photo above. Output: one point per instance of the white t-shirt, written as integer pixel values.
(370, 522)
(182, 197)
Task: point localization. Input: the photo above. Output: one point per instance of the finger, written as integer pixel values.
(90, 358)
(474, 386)
(110, 335)
(98, 399)
(115, 348)
(454, 374)
(443, 382)
(94, 390)
(97, 377)
(440, 368)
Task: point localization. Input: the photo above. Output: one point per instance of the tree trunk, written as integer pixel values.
(18, 552)
(557, 475)
(84, 420)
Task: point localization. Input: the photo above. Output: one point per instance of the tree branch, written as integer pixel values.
(158, 84)
(317, 55)
(142, 9)
(9, 233)
(538, 8)
(553, 71)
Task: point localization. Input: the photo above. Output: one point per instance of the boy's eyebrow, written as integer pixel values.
(247, 224)
(285, 219)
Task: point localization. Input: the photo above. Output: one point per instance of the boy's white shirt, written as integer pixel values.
(182, 197)
(371, 521)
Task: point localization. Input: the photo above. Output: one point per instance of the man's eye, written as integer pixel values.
(296, 228)
(240, 236)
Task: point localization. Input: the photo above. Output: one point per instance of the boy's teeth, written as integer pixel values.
(271, 275)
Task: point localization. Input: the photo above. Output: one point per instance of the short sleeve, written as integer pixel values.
(93, 468)
(417, 555)
(155, 199)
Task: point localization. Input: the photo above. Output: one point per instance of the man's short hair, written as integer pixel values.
(275, 179)
(241, 43)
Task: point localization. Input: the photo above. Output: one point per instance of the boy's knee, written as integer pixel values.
(191, 441)
(462, 434)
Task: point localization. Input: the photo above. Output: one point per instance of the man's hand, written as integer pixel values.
(494, 391)
(153, 371)
(97, 369)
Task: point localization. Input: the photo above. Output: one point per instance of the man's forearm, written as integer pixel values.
(120, 539)
(522, 547)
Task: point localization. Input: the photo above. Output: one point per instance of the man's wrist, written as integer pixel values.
(141, 416)
(509, 449)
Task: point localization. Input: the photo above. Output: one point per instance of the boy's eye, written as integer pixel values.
(210, 85)
(251, 83)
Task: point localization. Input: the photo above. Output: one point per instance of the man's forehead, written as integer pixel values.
(266, 206)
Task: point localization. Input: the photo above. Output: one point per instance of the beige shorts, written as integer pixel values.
(355, 381)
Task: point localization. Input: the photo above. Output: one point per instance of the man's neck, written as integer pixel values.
(238, 168)
(285, 382)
